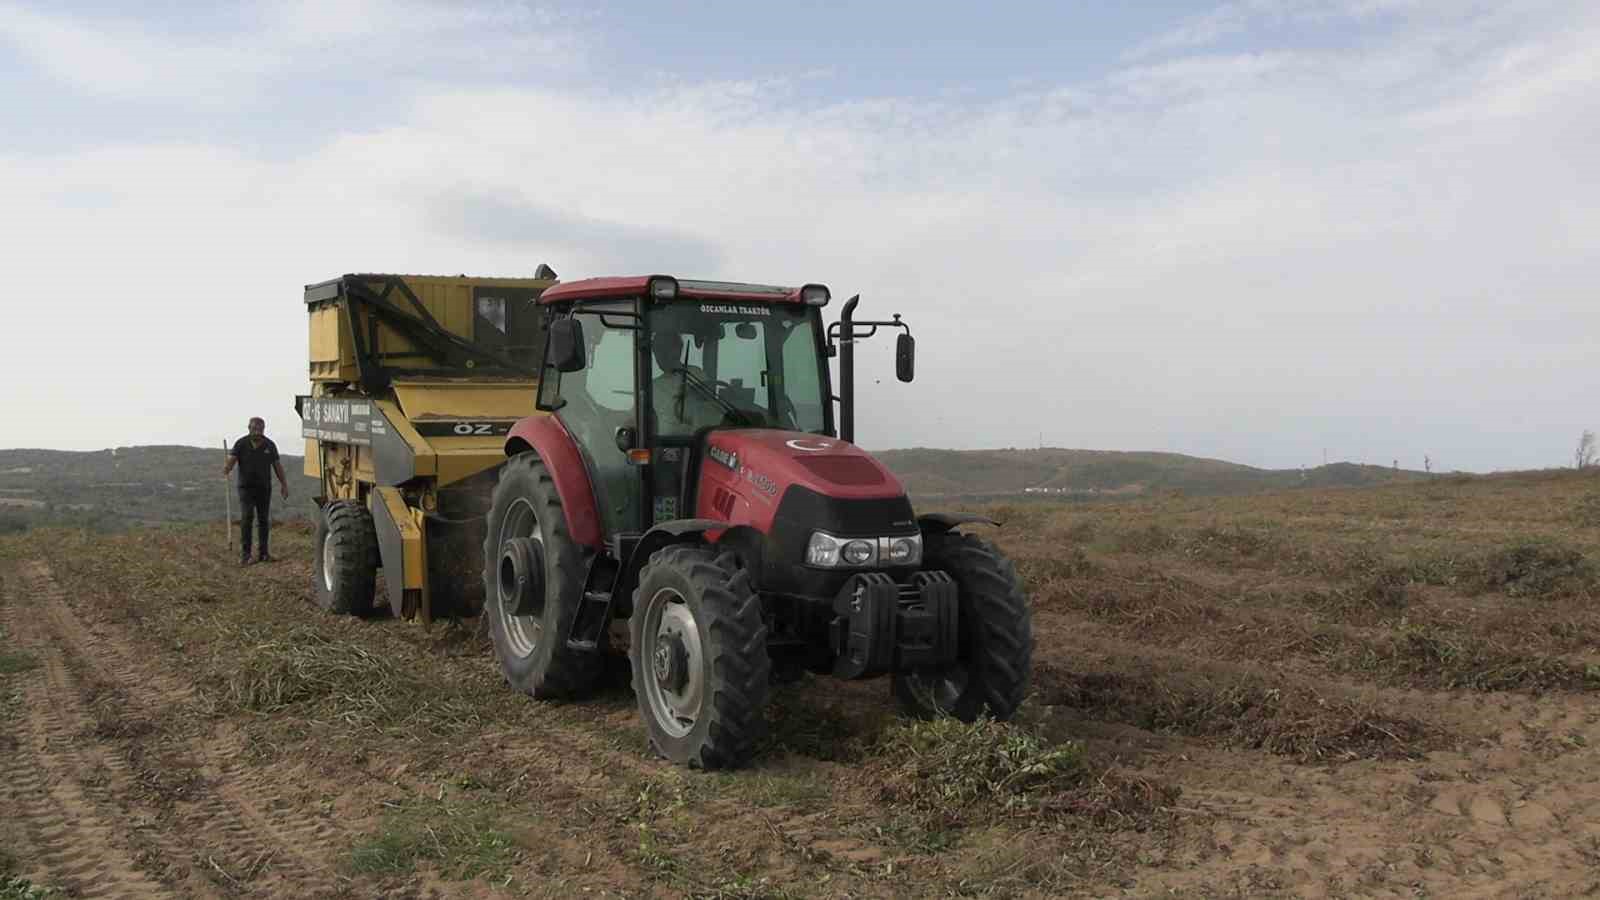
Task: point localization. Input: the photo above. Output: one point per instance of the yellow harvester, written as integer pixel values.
(415, 382)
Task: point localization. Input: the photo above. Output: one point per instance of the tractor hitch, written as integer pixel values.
(880, 626)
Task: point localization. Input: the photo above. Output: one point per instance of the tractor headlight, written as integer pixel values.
(859, 553)
(831, 552)
(822, 550)
(904, 551)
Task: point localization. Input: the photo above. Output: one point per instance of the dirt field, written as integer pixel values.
(1374, 692)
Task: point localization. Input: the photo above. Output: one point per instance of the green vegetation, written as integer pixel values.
(19, 888)
(342, 681)
(13, 661)
(108, 490)
(462, 840)
(943, 765)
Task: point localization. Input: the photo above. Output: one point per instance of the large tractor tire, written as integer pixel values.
(699, 652)
(344, 566)
(991, 673)
(533, 585)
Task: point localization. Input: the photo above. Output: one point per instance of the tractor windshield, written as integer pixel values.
(752, 364)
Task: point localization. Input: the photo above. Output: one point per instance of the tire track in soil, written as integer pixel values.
(64, 793)
(236, 821)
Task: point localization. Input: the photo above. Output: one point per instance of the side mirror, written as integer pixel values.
(905, 357)
(566, 345)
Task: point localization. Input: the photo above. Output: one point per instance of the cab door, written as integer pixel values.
(596, 401)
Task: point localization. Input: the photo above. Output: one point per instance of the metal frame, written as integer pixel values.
(844, 333)
(435, 342)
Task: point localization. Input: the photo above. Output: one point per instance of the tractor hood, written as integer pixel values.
(770, 461)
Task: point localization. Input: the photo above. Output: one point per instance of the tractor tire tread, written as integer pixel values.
(566, 674)
(1004, 642)
(350, 528)
(741, 670)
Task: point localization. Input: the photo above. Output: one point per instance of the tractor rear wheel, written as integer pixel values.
(344, 565)
(699, 652)
(991, 672)
(533, 585)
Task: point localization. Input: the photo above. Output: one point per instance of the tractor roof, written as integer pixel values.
(634, 285)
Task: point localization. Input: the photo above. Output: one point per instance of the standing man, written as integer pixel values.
(257, 457)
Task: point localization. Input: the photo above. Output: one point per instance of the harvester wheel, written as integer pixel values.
(344, 566)
(996, 653)
(533, 585)
(699, 652)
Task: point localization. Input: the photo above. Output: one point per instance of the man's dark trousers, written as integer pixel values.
(254, 501)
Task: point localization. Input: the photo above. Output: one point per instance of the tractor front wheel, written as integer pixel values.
(699, 653)
(533, 585)
(993, 665)
(344, 567)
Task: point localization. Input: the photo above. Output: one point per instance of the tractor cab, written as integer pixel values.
(640, 370)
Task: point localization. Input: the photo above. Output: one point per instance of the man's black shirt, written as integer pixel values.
(255, 463)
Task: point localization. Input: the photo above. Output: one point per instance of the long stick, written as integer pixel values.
(227, 498)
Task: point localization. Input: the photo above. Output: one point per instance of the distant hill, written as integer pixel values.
(1052, 471)
(129, 485)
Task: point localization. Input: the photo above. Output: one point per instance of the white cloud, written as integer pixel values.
(1380, 246)
(290, 41)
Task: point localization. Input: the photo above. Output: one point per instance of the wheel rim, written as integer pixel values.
(522, 632)
(673, 663)
(940, 689)
(327, 560)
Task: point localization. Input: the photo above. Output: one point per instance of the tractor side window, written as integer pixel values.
(610, 374)
(802, 384)
(599, 400)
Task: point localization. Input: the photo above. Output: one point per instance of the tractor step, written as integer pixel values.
(590, 622)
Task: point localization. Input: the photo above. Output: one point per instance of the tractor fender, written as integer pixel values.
(741, 538)
(546, 436)
(939, 523)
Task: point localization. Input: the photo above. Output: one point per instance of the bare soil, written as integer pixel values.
(1383, 691)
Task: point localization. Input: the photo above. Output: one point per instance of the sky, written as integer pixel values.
(1267, 231)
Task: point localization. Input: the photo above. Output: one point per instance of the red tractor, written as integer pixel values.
(690, 480)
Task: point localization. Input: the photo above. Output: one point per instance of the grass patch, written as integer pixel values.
(1538, 569)
(342, 681)
(1429, 656)
(1221, 544)
(14, 661)
(460, 841)
(1277, 719)
(945, 762)
(955, 774)
(1586, 511)
(770, 789)
(15, 887)
(1070, 562)
(1150, 538)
